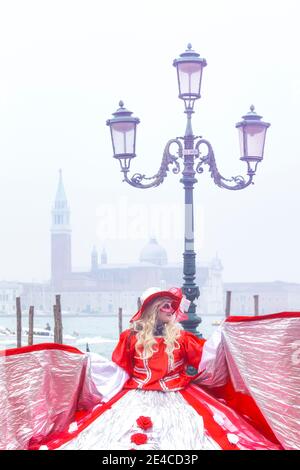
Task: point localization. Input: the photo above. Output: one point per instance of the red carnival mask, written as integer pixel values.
(167, 307)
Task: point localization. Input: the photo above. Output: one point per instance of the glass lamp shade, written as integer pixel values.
(123, 132)
(252, 135)
(189, 74)
(123, 137)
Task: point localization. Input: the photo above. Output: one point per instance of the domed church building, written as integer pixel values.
(104, 286)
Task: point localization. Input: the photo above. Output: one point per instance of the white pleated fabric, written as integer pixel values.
(263, 359)
(176, 425)
(108, 377)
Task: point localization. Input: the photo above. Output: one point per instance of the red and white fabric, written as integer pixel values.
(157, 373)
(41, 388)
(246, 394)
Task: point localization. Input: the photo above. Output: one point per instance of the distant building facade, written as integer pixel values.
(273, 297)
(8, 293)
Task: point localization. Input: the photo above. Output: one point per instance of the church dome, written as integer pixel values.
(153, 253)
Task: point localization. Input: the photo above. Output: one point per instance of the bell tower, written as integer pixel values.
(61, 266)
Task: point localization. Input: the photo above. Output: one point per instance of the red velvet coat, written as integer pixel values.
(156, 373)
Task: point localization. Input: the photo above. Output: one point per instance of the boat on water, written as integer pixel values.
(44, 335)
(9, 336)
(216, 322)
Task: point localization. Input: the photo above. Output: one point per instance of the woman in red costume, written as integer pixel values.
(152, 402)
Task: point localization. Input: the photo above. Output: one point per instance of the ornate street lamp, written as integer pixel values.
(252, 133)
(189, 74)
(123, 133)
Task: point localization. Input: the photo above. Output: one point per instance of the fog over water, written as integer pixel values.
(64, 67)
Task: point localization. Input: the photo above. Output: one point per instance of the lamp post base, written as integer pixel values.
(192, 324)
(192, 292)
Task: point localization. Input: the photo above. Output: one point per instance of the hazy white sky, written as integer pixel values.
(64, 67)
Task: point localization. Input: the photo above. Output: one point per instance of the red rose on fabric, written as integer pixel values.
(144, 422)
(139, 438)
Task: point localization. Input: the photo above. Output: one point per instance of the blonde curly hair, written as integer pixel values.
(146, 344)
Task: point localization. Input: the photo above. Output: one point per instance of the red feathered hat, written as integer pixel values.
(178, 301)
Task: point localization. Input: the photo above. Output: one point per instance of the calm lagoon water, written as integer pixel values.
(101, 333)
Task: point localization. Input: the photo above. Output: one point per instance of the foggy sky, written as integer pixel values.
(64, 67)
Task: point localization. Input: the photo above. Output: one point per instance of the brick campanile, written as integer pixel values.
(61, 265)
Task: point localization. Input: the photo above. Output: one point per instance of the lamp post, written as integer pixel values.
(252, 133)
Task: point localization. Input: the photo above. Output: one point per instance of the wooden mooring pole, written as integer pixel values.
(58, 327)
(228, 303)
(55, 325)
(19, 322)
(256, 305)
(120, 316)
(30, 326)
